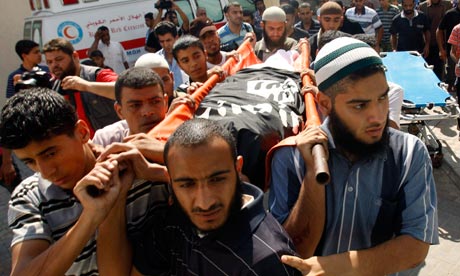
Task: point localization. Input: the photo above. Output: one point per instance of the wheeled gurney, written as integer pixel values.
(422, 92)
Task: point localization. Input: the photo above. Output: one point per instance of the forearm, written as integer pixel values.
(6, 156)
(378, 36)
(306, 221)
(394, 42)
(398, 254)
(440, 39)
(185, 21)
(114, 256)
(93, 46)
(57, 258)
(427, 37)
(104, 89)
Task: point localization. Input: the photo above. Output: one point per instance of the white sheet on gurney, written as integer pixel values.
(420, 84)
(281, 59)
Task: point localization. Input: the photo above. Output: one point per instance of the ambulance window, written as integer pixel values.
(69, 2)
(28, 30)
(247, 4)
(37, 32)
(185, 6)
(213, 9)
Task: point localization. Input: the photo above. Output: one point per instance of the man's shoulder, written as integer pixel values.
(223, 29)
(111, 133)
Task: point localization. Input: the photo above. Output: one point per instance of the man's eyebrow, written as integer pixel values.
(41, 153)
(352, 101)
(214, 174)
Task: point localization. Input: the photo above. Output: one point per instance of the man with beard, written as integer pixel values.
(79, 83)
(216, 224)
(274, 34)
(377, 215)
(410, 30)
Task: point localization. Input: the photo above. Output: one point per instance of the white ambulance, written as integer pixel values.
(78, 20)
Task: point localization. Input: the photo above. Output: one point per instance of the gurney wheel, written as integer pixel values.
(413, 129)
(436, 159)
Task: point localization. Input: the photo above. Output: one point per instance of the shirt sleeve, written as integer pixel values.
(106, 75)
(287, 172)
(419, 216)
(453, 38)
(376, 22)
(24, 217)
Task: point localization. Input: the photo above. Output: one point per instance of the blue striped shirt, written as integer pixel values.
(232, 40)
(369, 201)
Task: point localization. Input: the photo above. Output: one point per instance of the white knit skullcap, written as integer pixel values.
(275, 14)
(151, 60)
(340, 58)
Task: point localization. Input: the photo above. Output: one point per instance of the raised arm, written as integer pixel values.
(104, 89)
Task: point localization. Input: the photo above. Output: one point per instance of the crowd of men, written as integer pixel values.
(104, 197)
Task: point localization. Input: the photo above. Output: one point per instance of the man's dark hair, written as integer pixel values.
(305, 5)
(103, 28)
(89, 62)
(339, 2)
(168, 13)
(136, 78)
(34, 115)
(165, 27)
(24, 47)
(185, 42)
(330, 35)
(149, 15)
(294, 4)
(196, 132)
(248, 13)
(59, 44)
(96, 53)
(231, 4)
(368, 39)
(288, 9)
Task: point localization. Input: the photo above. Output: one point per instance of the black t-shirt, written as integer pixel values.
(410, 35)
(152, 42)
(448, 22)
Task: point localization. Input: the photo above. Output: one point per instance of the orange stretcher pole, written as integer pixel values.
(321, 168)
(184, 112)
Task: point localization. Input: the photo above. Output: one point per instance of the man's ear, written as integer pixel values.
(75, 56)
(117, 108)
(239, 163)
(324, 103)
(82, 131)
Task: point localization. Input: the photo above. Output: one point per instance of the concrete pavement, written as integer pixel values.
(442, 260)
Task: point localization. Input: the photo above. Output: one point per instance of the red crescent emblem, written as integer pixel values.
(66, 33)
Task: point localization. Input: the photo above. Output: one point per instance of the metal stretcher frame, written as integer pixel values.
(422, 90)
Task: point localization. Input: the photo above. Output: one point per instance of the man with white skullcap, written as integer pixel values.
(274, 34)
(377, 215)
